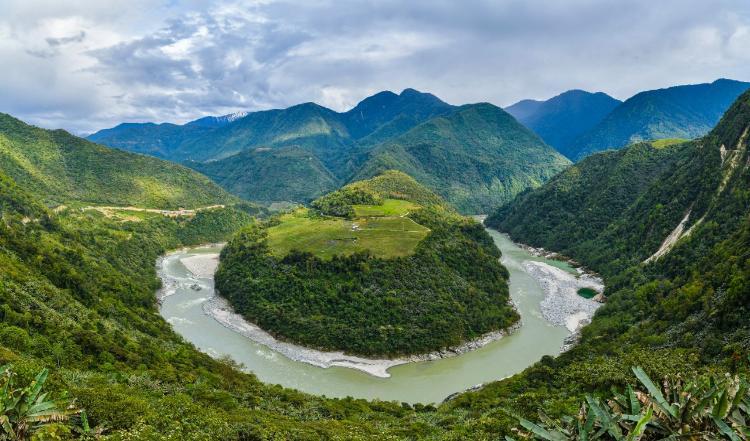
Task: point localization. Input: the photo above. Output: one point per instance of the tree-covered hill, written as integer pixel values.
(562, 119)
(379, 292)
(62, 168)
(669, 229)
(477, 157)
(268, 175)
(577, 206)
(687, 111)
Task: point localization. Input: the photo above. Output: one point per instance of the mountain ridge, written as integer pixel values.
(563, 118)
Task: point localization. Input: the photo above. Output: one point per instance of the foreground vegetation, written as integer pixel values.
(374, 286)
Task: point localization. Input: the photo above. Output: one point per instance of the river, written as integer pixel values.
(424, 382)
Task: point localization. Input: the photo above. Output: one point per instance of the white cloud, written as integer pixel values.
(91, 64)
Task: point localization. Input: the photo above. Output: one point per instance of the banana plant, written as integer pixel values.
(24, 410)
(704, 409)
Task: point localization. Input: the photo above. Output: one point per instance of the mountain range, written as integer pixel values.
(565, 117)
(476, 156)
(579, 123)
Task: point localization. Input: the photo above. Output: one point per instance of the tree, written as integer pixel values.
(25, 410)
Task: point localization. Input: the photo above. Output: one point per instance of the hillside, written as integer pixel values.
(477, 157)
(574, 208)
(683, 311)
(373, 253)
(385, 114)
(267, 175)
(508, 157)
(687, 112)
(685, 223)
(62, 168)
(565, 117)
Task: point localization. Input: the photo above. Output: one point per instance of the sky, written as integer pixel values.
(87, 65)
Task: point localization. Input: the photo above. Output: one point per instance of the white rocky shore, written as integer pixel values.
(218, 308)
(562, 305)
(204, 265)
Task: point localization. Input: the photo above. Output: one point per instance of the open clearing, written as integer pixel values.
(390, 207)
(385, 236)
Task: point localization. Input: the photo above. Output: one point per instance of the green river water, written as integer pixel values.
(425, 382)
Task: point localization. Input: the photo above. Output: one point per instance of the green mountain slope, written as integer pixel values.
(684, 311)
(577, 206)
(380, 268)
(676, 112)
(477, 157)
(565, 117)
(160, 140)
(267, 175)
(63, 168)
(504, 158)
(386, 114)
(679, 233)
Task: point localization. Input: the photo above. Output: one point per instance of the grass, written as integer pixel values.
(384, 236)
(666, 142)
(390, 207)
(587, 293)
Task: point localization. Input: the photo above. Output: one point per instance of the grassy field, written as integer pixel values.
(390, 207)
(384, 236)
(667, 142)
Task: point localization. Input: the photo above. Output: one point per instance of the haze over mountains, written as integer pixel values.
(579, 123)
(477, 156)
(562, 119)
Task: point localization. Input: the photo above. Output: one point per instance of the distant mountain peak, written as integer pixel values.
(564, 117)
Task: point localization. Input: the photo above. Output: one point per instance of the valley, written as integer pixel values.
(189, 311)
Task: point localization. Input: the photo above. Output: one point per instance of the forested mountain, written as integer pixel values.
(266, 175)
(684, 310)
(477, 157)
(565, 117)
(670, 229)
(685, 112)
(252, 155)
(378, 268)
(62, 168)
(574, 208)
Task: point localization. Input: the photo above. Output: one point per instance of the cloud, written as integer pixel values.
(89, 66)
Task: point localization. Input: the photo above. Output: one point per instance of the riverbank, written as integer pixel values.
(562, 305)
(204, 266)
(410, 382)
(220, 310)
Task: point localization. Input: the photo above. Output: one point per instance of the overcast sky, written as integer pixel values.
(86, 65)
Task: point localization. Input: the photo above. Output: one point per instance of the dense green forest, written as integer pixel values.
(450, 290)
(688, 308)
(298, 173)
(62, 168)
